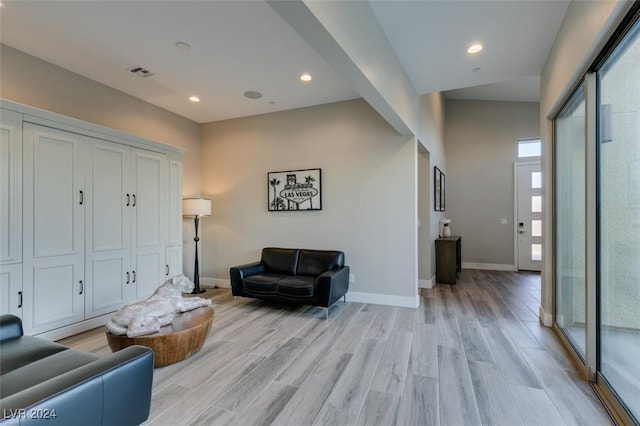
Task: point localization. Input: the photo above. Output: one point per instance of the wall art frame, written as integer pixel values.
(443, 193)
(294, 190)
(437, 174)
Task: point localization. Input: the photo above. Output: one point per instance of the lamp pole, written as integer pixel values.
(196, 272)
(196, 208)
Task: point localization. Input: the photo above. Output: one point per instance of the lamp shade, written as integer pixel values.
(196, 207)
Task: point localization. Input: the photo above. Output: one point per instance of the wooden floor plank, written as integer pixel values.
(472, 353)
(419, 404)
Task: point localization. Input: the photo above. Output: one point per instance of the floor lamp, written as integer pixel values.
(196, 208)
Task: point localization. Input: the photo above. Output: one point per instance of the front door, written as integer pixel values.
(529, 216)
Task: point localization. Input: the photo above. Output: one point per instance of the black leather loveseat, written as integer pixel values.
(44, 383)
(285, 275)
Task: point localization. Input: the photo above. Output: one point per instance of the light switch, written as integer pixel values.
(503, 221)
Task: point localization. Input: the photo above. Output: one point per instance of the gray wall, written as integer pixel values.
(368, 193)
(481, 147)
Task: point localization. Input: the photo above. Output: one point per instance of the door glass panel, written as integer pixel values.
(529, 148)
(536, 180)
(536, 252)
(570, 266)
(536, 228)
(536, 203)
(619, 196)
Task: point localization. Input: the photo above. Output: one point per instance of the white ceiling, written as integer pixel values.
(238, 46)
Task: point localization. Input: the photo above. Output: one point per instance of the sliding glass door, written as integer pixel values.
(597, 222)
(619, 225)
(570, 225)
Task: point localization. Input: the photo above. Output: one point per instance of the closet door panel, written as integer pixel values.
(10, 187)
(57, 197)
(58, 295)
(149, 271)
(108, 228)
(175, 202)
(151, 198)
(54, 206)
(11, 297)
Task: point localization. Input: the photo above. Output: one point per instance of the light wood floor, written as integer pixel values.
(472, 353)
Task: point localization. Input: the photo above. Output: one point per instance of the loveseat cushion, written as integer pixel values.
(263, 283)
(315, 262)
(280, 260)
(298, 286)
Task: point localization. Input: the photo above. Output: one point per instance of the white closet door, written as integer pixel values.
(11, 296)
(175, 202)
(150, 225)
(174, 261)
(54, 199)
(10, 187)
(108, 229)
(10, 213)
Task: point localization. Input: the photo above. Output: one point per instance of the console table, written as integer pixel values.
(448, 259)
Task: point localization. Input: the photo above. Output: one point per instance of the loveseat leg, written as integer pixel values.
(344, 299)
(326, 312)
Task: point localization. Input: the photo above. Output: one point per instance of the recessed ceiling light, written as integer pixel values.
(474, 48)
(194, 99)
(252, 94)
(181, 45)
(306, 77)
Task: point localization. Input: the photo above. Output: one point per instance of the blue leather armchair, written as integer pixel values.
(45, 383)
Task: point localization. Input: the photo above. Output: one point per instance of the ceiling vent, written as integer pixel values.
(141, 72)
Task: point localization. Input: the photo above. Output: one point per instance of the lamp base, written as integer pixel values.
(198, 290)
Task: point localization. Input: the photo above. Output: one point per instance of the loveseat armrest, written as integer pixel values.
(113, 390)
(10, 327)
(331, 286)
(237, 273)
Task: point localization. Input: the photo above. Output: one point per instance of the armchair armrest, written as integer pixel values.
(332, 285)
(10, 327)
(115, 389)
(237, 273)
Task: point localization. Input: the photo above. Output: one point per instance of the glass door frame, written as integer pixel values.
(589, 366)
(586, 365)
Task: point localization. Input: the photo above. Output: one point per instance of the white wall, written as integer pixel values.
(368, 194)
(586, 27)
(481, 147)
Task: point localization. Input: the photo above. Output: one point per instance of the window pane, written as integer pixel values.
(536, 228)
(536, 203)
(570, 226)
(529, 148)
(619, 173)
(536, 252)
(536, 180)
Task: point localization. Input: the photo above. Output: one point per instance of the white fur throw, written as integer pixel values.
(158, 310)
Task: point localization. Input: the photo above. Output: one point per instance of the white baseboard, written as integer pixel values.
(427, 283)
(488, 266)
(79, 327)
(383, 299)
(545, 317)
(215, 282)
